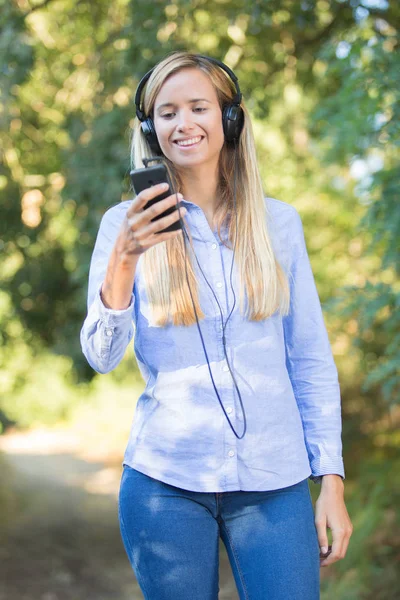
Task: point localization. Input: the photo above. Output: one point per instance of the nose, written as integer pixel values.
(185, 120)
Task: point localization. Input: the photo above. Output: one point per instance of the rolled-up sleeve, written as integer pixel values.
(311, 366)
(106, 332)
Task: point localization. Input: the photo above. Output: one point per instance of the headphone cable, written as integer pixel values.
(220, 310)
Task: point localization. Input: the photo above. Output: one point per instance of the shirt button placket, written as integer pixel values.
(230, 453)
(231, 475)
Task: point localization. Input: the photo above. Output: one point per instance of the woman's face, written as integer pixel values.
(188, 119)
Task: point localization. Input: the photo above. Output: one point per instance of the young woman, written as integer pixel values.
(242, 403)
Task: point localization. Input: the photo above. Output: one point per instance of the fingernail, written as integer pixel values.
(324, 549)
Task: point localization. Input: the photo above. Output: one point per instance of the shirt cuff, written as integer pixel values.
(112, 317)
(326, 466)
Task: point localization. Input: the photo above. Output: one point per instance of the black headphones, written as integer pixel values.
(232, 115)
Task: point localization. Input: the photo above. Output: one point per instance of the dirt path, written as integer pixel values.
(59, 533)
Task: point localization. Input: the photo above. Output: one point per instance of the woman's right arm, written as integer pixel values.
(123, 236)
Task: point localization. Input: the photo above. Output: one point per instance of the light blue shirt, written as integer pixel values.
(283, 366)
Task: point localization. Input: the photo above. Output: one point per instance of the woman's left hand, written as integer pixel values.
(331, 512)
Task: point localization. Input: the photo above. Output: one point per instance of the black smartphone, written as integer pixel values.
(326, 553)
(145, 178)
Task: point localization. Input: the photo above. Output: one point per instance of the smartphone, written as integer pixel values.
(145, 178)
(327, 553)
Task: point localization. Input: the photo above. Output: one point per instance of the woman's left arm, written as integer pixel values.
(315, 383)
(331, 513)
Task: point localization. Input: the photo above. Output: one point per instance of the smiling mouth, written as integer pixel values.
(189, 143)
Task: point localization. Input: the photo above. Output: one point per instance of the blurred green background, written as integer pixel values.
(321, 80)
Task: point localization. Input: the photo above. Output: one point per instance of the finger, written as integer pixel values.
(161, 237)
(343, 541)
(320, 524)
(139, 218)
(345, 545)
(337, 548)
(148, 194)
(139, 247)
(157, 226)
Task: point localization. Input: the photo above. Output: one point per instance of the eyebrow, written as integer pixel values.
(190, 102)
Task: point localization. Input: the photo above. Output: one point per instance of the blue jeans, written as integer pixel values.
(171, 537)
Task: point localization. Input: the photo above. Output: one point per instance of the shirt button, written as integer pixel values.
(219, 284)
(109, 332)
(225, 368)
(229, 409)
(214, 246)
(231, 453)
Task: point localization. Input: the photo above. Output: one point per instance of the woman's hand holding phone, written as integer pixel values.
(140, 231)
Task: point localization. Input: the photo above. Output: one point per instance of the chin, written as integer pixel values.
(196, 159)
(188, 161)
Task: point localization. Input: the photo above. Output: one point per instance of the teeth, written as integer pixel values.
(189, 142)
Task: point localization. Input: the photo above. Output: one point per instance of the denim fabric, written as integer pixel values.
(283, 367)
(171, 537)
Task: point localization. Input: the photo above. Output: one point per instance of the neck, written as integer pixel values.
(200, 187)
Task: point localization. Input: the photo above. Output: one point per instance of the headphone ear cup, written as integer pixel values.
(232, 122)
(150, 134)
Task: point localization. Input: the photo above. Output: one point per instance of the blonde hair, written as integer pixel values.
(265, 282)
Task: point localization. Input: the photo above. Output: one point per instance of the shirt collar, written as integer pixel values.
(199, 227)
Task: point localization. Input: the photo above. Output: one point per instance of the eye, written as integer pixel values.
(167, 115)
(201, 109)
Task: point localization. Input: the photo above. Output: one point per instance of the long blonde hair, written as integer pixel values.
(163, 265)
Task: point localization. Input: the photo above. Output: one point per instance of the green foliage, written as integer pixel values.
(366, 77)
(321, 82)
(16, 52)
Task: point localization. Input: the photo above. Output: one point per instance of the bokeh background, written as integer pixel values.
(322, 82)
